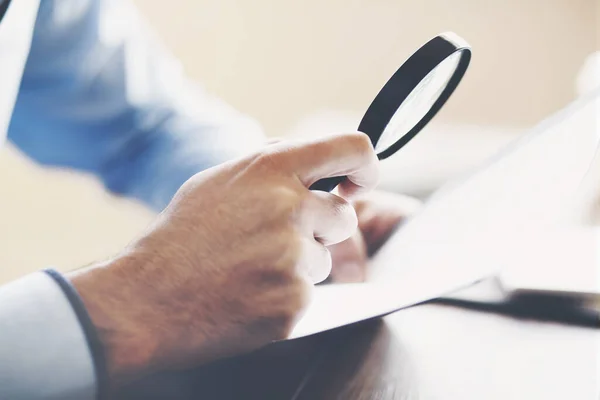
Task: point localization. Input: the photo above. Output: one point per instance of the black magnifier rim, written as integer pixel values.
(3, 7)
(405, 80)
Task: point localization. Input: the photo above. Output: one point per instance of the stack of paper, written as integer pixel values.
(513, 213)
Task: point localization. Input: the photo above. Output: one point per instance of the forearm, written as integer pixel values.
(122, 108)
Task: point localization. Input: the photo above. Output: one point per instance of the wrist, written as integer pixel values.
(117, 314)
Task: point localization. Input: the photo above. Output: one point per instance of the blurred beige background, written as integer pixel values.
(279, 60)
(310, 65)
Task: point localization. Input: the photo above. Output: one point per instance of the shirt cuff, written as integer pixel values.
(45, 347)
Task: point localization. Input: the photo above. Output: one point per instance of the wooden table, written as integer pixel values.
(426, 352)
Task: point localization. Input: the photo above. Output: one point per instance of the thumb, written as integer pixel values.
(349, 259)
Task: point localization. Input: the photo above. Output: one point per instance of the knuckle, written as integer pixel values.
(275, 157)
(284, 198)
(344, 219)
(362, 141)
(342, 208)
(294, 249)
(267, 160)
(288, 254)
(279, 202)
(348, 220)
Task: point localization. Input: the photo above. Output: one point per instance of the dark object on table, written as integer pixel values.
(567, 308)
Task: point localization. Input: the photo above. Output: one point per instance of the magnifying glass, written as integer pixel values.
(412, 97)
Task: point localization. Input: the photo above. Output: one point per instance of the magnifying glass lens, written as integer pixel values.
(412, 97)
(418, 103)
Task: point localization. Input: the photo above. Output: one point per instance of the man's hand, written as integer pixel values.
(229, 265)
(379, 213)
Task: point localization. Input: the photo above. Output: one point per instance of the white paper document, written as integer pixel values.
(499, 218)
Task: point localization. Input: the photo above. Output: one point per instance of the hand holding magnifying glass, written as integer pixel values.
(412, 97)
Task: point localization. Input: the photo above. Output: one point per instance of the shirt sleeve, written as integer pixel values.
(44, 351)
(100, 94)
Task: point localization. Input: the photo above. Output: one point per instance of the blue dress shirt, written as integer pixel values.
(85, 85)
(101, 95)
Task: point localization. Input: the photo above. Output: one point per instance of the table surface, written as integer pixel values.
(425, 352)
(431, 351)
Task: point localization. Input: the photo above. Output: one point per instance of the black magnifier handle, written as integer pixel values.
(439, 51)
(327, 184)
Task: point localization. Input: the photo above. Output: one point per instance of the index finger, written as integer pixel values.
(350, 154)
